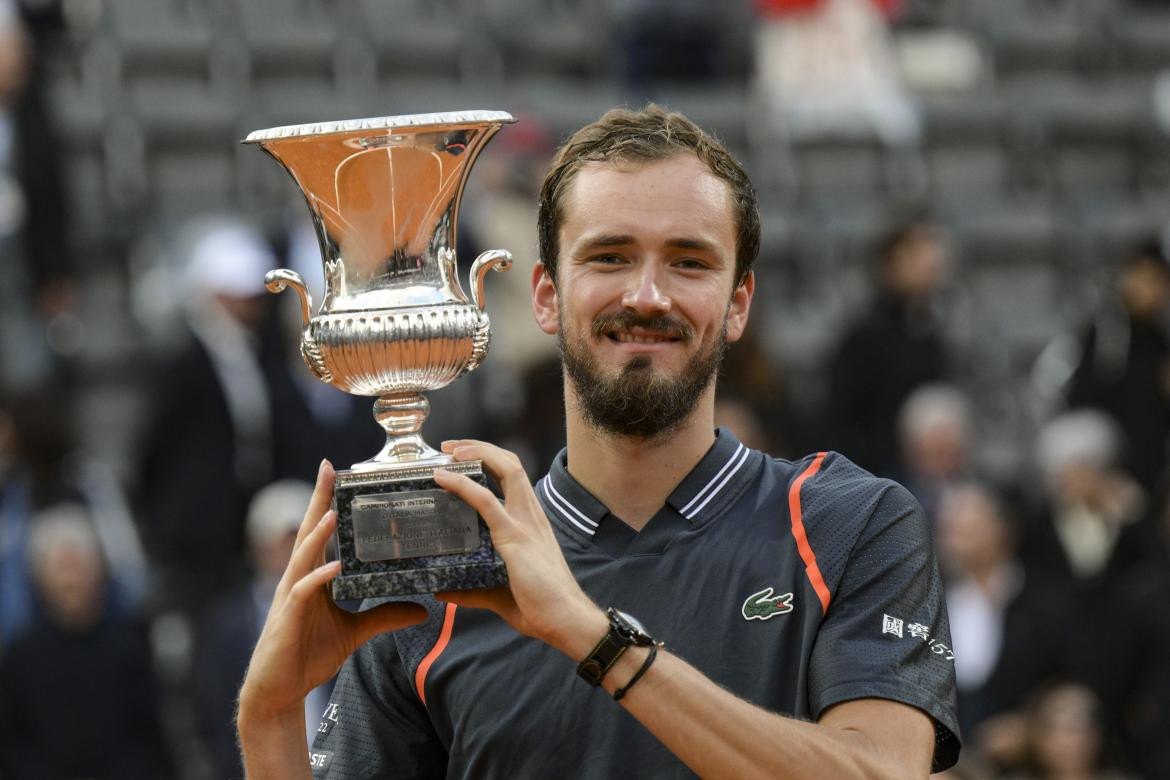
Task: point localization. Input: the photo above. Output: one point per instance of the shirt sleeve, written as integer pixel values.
(375, 726)
(885, 633)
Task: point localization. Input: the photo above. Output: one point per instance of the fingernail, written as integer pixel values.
(442, 471)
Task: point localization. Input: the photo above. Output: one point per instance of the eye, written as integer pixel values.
(607, 259)
(691, 263)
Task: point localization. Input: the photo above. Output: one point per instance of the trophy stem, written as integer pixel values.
(402, 415)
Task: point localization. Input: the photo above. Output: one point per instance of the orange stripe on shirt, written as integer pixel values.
(806, 553)
(424, 666)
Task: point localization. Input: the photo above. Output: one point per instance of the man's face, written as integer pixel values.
(1145, 288)
(918, 265)
(646, 296)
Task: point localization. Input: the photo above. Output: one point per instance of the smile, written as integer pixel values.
(633, 338)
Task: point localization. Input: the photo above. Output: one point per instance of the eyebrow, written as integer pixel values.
(615, 239)
(608, 239)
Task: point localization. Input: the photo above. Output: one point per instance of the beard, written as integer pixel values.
(638, 402)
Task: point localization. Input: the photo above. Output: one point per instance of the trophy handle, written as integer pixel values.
(493, 259)
(277, 280)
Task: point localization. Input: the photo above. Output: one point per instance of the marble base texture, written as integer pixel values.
(404, 576)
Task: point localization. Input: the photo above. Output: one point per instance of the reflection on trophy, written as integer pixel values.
(384, 195)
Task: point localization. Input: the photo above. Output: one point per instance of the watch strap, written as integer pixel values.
(620, 692)
(603, 656)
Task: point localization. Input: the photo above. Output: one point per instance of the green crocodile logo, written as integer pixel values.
(762, 605)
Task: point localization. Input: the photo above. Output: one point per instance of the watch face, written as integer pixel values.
(635, 629)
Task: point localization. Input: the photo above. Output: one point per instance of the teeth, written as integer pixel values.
(629, 337)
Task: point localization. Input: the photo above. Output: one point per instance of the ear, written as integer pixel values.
(544, 300)
(737, 310)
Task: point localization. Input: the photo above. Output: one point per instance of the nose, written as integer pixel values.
(645, 295)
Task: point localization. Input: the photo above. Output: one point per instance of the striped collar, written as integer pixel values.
(702, 494)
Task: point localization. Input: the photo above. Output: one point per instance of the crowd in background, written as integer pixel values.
(130, 598)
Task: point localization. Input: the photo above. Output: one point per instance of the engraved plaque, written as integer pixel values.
(412, 524)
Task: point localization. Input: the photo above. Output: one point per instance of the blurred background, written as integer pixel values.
(963, 285)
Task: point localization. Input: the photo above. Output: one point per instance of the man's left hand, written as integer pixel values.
(542, 599)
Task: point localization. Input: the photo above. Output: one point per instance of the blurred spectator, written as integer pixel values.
(231, 628)
(1092, 524)
(39, 466)
(34, 285)
(827, 69)
(1142, 709)
(1007, 626)
(934, 431)
(1123, 365)
(34, 445)
(892, 349)
(1065, 736)
(77, 691)
(1091, 531)
(208, 440)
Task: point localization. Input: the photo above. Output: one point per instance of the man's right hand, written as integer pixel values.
(305, 639)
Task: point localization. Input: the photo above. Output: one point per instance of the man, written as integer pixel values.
(213, 396)
(78, 694)
(935, 436)
(895, 347)
(1122, 363)
(1010, 626)
(807, 588)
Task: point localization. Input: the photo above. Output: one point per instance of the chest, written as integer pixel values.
(739, 609)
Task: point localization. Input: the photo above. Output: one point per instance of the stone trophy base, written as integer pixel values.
(400, 534)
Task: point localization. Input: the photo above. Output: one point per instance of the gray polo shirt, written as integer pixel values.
(794, 585)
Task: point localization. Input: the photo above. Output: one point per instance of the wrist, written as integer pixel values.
(625, 634)
(253, 716)
(578, 633)
(273, 743)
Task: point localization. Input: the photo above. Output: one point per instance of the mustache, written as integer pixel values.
(627, 320)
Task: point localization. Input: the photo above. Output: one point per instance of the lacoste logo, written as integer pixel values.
(762, 605)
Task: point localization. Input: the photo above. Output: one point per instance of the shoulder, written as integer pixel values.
(837, 508)
(827, 487)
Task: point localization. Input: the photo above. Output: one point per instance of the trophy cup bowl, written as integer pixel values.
(394, 323)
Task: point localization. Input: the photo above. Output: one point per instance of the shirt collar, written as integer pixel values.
(575, 506)
(701, 494)
(714, 477)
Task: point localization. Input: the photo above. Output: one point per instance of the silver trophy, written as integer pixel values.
(384, 194)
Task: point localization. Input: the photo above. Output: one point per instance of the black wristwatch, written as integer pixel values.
(624, 631)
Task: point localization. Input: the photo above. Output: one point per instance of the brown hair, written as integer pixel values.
(653, 133)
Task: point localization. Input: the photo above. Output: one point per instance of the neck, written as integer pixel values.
(633, 477)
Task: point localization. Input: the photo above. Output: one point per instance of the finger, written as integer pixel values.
(480, 498)
(311, 553)
(318, 503)
(310, 585)
(388, 617)
(502, 464)
(450, 445)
